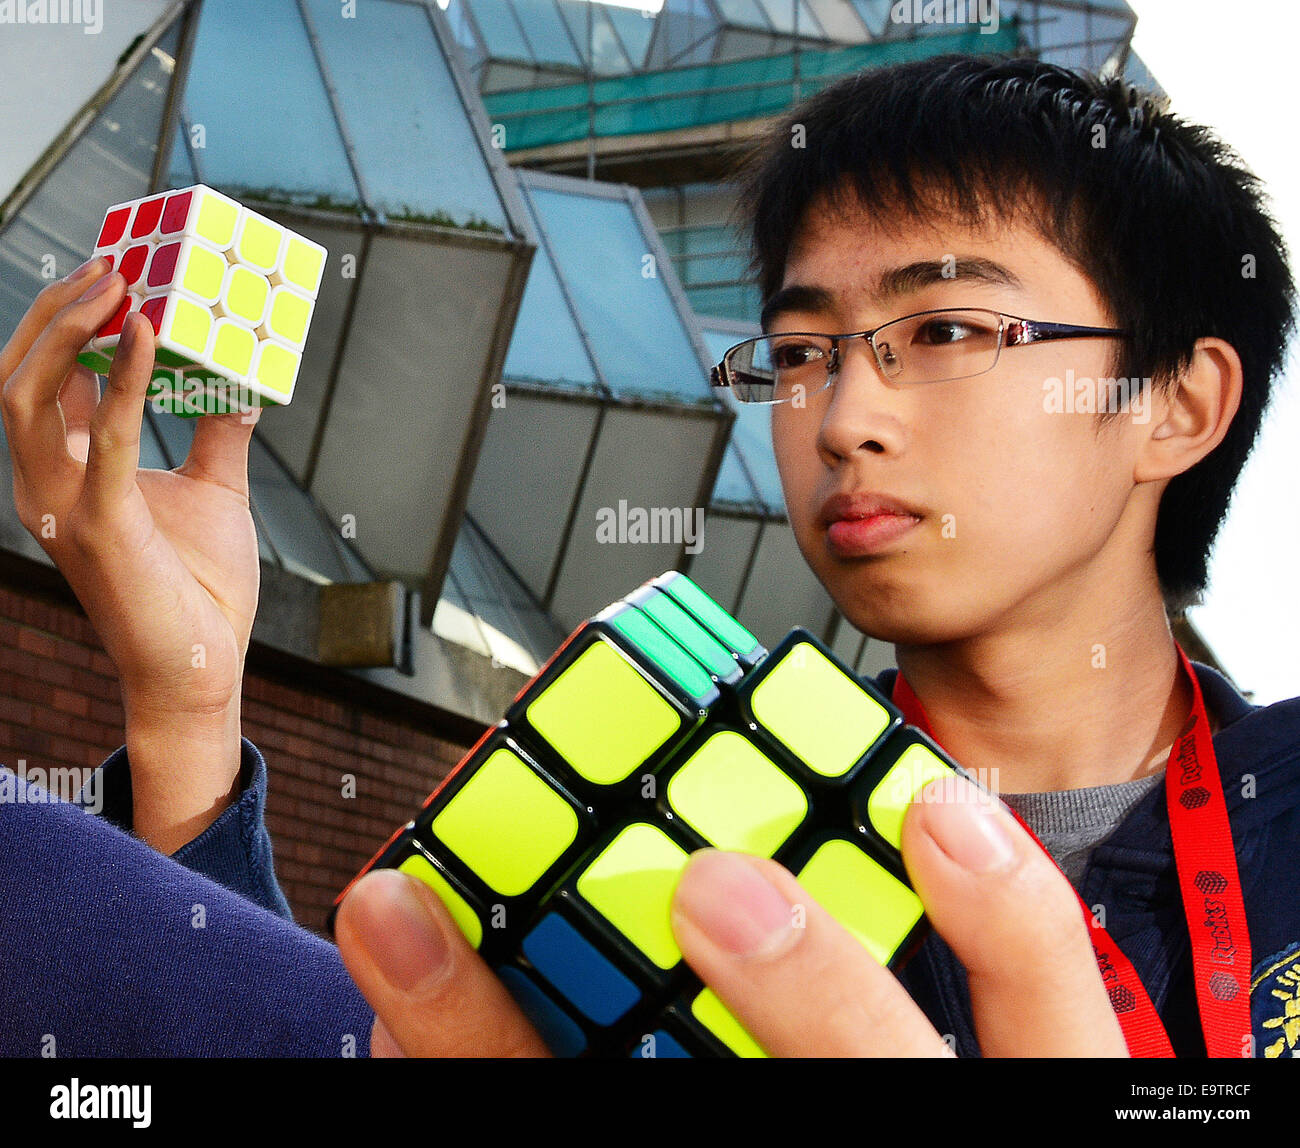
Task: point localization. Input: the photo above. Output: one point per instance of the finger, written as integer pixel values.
(1012, 919)
(37, 433)
(431, 991)
(114, 455)
(799, 983)
(382, 1044)
(78, 400)
(219, 452)
(44, 307)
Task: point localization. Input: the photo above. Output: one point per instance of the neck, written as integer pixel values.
(1082, 701)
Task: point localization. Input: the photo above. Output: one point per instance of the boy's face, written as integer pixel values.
(1024, 515)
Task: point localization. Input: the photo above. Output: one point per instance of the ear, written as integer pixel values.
(1191, 416)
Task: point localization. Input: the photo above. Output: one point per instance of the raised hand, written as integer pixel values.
(165, 563)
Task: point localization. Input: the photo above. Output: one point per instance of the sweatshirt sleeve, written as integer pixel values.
(109, 948)
(235, 850)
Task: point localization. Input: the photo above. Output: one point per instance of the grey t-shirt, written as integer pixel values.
(1072, 822)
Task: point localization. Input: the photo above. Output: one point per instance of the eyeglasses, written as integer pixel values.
(928, 347)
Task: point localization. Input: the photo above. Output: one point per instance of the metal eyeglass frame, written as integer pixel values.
(1013, 331)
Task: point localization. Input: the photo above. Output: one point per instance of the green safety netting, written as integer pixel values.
(709, 93)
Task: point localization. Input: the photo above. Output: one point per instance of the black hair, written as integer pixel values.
(1164, 219)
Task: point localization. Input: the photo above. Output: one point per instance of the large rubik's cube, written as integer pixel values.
(661, 726)
(229, 292)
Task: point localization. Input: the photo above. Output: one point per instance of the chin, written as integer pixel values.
(903, 613)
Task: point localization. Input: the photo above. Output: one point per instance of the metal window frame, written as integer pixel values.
(62, 143)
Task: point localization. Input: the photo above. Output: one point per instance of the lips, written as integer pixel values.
(866, 523)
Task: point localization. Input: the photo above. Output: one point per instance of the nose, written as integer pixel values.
(864, 411)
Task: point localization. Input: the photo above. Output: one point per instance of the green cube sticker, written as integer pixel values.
(710, 613)
(703, 646)
(717, 1018)
(815, 709)
(735, 797)
(461, 912)
(97, 361)
(507, 824)
(603, 716)
(877, 908)
(916, 767)
(631, 884)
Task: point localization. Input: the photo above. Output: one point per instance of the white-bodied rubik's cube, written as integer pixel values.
(662, 726)
(229, 292)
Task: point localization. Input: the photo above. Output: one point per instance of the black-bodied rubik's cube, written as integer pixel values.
(662, 726)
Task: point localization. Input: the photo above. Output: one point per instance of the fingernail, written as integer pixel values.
(402, 937)
(734, 905)
(82, 271)
(967, 825)
(127, 339)
(99, 287)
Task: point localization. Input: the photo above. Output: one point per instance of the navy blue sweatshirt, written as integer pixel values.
(109, 948)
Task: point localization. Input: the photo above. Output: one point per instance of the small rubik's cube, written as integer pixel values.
(229, 293)
(661, 726)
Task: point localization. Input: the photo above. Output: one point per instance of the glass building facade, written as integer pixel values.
(504, 353)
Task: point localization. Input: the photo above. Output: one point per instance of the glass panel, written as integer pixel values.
(54, 58)
(458, 19)
(414, 146)
(112, 161)
(545, 345)
(733, 485)
(265, 550)
(782, 14)
(501, 31)
(608, 52)
(637, 335)
(296, 529)
(151, 452)
(180, 164)
(741, 302)
(634, 29)
(546, 32)
(875, 15)
(513, 623)
(746, 13)
(685, 33)
(254, 87)
(176, 434)
(751, 440)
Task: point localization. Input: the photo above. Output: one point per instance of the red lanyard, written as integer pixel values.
(1211, 891)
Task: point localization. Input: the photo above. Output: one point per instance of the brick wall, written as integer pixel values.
(60, 707)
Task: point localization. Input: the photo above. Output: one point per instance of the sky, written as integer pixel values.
(1232, 67)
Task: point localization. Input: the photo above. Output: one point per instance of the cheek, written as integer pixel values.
(1021, 484)
(794, 442)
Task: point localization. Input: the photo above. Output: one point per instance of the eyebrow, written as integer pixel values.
(892, 283)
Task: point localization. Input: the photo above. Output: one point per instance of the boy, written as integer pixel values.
(1015, 229)
(1005, 547)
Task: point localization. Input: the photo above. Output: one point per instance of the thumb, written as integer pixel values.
(219, 452)
(1014, 922)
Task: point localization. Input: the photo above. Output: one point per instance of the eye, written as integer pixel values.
(947, 329)
(796, 353)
